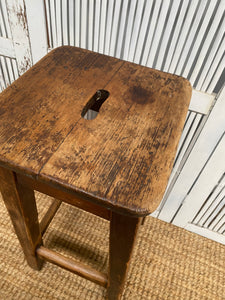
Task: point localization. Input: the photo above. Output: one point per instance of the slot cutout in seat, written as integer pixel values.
(92, 107)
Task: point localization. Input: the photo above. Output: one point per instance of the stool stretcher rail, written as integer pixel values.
(72, 266)
(46, 220)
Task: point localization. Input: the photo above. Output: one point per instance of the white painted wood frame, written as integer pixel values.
(19, 32)
(209, 137)
(198, 195)
(37, 28)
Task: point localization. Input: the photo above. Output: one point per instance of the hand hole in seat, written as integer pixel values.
(92, 107)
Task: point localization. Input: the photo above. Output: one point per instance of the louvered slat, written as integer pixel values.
(204, 212)
(193, 122)
(64, 22)
(150, 33)
(77, 23)
(102, 26)
(90, 24)
(15, 68)
(8, 63)
(3, 30)
(110, 10)
(187, 139)
(8, 71)
(215, 72)
(157, 34)
(198, 36)
(120, 38)
(167, 33)
(5, 71)
(136, 28)
(4, 23)
(185, 27)
(221, 230)
(219, 220)
(212, 214)
(71, 26)
(216, 76)
(201, 85)
(214, 210)
(192, 42)
(208, 40)
(115, 27)
(129, 27)
(83, 38)
(52, 9)
(50, 17)
(97, 24)
(143, 31)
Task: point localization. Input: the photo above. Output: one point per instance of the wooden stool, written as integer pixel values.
(97, 133)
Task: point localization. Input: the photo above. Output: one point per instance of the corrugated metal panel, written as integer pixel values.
(182, 37)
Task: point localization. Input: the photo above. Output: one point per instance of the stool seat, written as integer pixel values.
(122, 159)
(97, 133)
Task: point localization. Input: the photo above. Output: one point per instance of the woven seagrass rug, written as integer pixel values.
(168, 262)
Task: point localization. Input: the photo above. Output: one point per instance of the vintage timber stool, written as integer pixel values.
(115, 165)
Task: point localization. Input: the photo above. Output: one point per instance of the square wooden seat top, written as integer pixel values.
(122, 159)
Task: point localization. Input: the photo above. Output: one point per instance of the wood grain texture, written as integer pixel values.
(40, 108)
(123, 158)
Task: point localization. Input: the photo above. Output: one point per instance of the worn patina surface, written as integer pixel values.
(122, 159)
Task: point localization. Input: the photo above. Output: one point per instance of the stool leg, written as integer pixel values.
(21, 205)
(123, 231)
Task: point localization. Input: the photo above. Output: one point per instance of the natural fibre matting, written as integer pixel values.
(168, 262)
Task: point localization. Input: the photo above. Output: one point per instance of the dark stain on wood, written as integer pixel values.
(140, 95)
